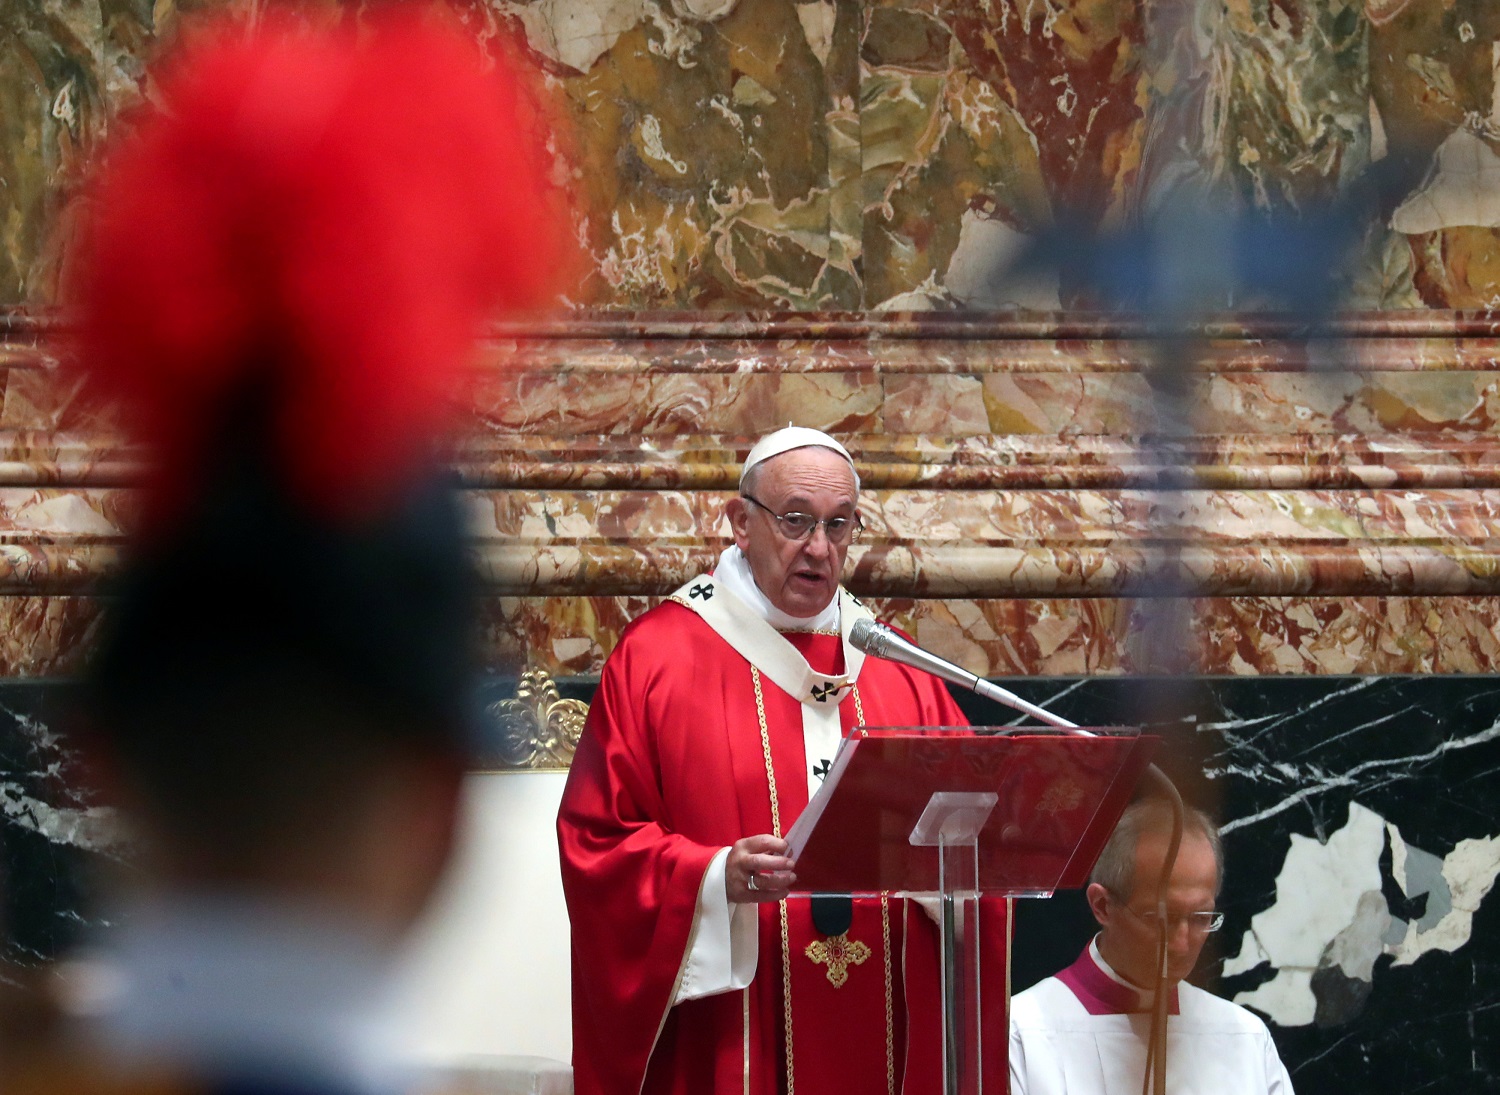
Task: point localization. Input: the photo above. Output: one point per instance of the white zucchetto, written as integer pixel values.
(793, 437)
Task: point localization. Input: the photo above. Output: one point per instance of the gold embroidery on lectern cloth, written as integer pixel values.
(838, 953)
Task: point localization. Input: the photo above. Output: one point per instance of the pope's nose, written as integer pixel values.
(817, 543)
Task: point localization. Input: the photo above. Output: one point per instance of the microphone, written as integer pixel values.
(880, 641)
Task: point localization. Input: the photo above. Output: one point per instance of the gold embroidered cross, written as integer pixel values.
(838, 952)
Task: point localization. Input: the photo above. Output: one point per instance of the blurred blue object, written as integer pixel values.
(1192, 261)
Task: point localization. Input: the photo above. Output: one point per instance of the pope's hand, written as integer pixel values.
(758, 869)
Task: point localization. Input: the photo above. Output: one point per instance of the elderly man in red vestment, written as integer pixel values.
(715, 719)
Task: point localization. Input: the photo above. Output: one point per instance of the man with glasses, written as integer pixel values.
(716, 718)
(1084, 1031)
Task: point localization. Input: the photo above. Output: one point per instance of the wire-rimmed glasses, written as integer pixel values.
(799, 526)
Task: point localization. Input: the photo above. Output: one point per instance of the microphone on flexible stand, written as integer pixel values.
(880, 641)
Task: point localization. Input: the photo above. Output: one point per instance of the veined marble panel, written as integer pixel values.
(920, 543)
(1434, 108)
(1019, 637)
(1360, 864)
(1026, 504)
(879, 154)
(48, 637)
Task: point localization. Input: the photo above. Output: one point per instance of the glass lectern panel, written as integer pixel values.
(1057, 794)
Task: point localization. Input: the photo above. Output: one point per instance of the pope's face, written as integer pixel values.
(1126, 939)
(800, 577)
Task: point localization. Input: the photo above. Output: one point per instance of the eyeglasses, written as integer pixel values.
(1199, 923)
(799, 526)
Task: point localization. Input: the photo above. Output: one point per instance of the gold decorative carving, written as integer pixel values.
(538, 729)
(838, 952)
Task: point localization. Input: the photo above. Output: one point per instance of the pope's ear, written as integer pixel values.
(738, 512)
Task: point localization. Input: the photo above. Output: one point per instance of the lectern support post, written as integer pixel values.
(951, 823)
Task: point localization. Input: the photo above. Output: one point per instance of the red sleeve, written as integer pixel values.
(631, 884)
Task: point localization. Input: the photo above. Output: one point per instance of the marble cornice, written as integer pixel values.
(708, 462)
(1315, 505)
(1053, 326)
(1288, 461)
(24, 323)
(48, 636)
(1079, 543)
(1003, 455)
(919, 543)
(1087, 636)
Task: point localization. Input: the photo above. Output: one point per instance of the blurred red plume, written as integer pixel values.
(324, 219)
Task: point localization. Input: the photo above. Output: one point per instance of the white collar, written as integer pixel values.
(734, 573)
(1109, 971)
(769, 650)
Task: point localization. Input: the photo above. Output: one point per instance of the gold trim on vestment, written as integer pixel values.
(890, 1011)
(786, 941)
(885, 941)
(661, 1024)
(1010, 922)
(786, 937)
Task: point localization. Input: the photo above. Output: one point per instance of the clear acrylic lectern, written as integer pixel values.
(960, 813)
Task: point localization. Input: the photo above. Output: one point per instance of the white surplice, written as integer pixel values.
(1068, 1040)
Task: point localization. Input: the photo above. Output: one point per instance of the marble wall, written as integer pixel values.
(849, 155)
(1292, 571)
(1328, 507)
(1361, 858)
(1276, 542)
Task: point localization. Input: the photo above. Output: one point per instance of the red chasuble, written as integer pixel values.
(671, 768)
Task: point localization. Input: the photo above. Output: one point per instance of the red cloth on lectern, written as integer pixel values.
(670, 769)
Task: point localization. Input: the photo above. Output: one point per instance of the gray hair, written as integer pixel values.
(1115, 868)
(747, 484)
